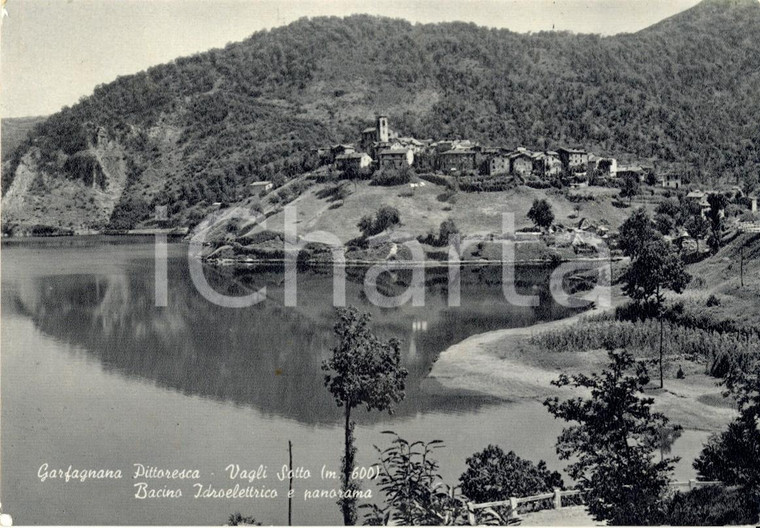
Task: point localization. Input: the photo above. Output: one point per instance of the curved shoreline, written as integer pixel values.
(497, 364)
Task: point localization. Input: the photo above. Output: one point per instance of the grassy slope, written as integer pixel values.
(719, 276)
(473, 213)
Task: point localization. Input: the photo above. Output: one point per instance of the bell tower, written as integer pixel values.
(382, 128)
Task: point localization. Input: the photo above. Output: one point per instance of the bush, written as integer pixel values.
(236, 519)
(493, 475)
(334, 193)
(578, 197)
(438, 179)
(412, 491)
(447, 196)
(538, 184)
(730, 456)
(712, 300)
(390, 177)
(445, 231)
(709, 506)
(486, 183)
(385, 217)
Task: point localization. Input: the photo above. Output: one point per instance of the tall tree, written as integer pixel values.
(630, 187)
(718, 203)
(362, 371)
(614, 443)
(732, 455)
(635, 232)
(656, 268)
(697, 228)
(541, 213)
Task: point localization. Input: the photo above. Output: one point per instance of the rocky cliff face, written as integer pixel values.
(37, 198)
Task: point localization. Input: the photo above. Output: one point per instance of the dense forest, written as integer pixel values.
(685, 91)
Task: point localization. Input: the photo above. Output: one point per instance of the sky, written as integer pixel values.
(53, 52)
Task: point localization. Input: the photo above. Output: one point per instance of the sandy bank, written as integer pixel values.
(500, 364)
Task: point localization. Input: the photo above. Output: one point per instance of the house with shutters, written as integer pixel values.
(458, 160)
(396, 158)
(572, 158)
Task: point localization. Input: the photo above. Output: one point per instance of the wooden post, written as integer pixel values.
(741, 266)
(471, 515)
(513, 507)
(557, 499)
(290, 484)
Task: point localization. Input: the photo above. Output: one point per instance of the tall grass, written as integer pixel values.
(719, 351)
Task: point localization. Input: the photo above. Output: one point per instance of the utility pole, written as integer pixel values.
(741, 266)
(290, 484)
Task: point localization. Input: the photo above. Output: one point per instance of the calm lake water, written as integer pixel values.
(95, 376)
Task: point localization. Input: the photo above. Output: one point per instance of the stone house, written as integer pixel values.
(395, 158)
(458, 160)
(572, 158)
(521, 163)
(259, 186)
(353, 160)
(498, 165)
(671, 181)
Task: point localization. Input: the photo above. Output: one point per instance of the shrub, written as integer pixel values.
(709, 506)
(385, 217)
(438, 180)
(493, 475)
(486, 183)
(445, 231)
(390, 177)
(334, 193)
(729, 456)
(447, 196)
(538, 184)
(414, 494)
(578, 197)
(236, 519)
(712, 300)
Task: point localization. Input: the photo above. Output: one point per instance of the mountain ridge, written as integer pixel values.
(198, 130)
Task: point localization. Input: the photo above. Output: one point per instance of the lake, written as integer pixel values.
(94, 375)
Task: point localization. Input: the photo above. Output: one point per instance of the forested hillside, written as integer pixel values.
(198, 130)
(14, 130)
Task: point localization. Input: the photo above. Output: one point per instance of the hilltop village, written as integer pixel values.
(381, 149)
(385, 189)
(384, 157)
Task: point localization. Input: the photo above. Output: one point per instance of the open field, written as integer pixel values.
(421, 211)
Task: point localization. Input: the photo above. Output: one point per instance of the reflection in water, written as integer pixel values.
(94, 375)
(267, 356)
